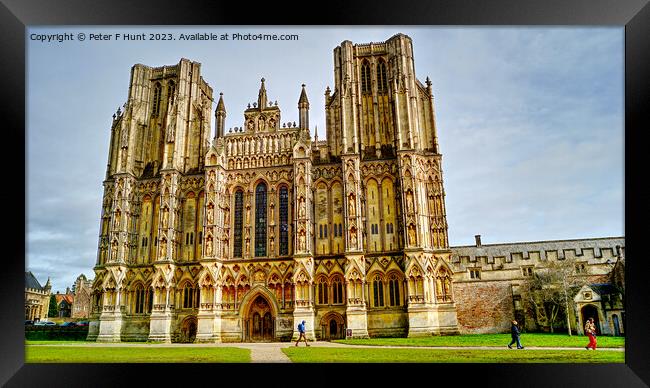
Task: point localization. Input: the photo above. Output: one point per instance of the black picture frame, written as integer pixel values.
(15, 15)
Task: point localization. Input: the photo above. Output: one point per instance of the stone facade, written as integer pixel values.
(487, 280)
(240, 236)
(37, 298)
(81, 305)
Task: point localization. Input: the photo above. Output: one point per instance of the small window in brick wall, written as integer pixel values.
(474, 273)
(527, 271)
(489, 260)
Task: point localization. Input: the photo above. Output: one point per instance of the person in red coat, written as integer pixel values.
(590, 331)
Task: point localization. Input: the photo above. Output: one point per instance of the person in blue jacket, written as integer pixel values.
(514, 333)
(301, 330)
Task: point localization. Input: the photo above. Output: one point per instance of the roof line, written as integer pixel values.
(537, 242)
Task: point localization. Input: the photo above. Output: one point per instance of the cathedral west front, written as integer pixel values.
(238, 234)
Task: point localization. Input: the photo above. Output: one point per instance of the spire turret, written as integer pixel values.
(261, 97)
(220, 115)
(303, 109)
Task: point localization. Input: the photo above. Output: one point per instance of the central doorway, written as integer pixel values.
(259, 325)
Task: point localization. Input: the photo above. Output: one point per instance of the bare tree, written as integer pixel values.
(550, 288)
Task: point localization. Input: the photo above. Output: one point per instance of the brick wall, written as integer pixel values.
(484, 307)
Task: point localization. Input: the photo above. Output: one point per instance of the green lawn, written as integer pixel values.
(532, 339)
(92, 354)
(383, 355)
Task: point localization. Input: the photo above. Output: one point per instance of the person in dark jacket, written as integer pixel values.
(514, 333)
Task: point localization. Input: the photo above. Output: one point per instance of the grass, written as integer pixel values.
(383, 355)
(91, 354)
(501, 340)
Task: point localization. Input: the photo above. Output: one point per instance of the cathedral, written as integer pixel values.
(241, 235)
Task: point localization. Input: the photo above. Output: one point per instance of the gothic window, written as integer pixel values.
(237, 230)
(382, 83)
(149, 300)
(340, 229)
(337, 291)
(475, 273)
(378, 290)
(190, 296)
(321, 230)
(322, 291)
(284, 221)
(527, 271)
(260, 220)
(365, 78)
(393, 290)
(156, 100)
(139, 301)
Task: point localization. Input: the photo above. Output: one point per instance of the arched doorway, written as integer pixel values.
(590, 311)
(188, 330)
(259, 323)
(332, 327)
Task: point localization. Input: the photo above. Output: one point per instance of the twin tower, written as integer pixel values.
(241, 236)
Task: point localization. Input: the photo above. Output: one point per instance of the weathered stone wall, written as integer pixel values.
(484, 307)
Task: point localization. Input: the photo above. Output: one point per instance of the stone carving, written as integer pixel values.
(351, 205)
(302, 241)
(208, 246)
(165, 217)
(210, 213)
(411, 231)
(301, 212)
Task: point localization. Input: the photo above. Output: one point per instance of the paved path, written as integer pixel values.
(271, 352)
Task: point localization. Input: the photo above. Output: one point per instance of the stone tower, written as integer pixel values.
(241, 236)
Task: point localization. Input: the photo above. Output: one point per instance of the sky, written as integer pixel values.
(530, 122)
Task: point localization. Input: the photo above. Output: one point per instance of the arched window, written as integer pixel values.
(190, 296)
(382, 83)
(393, 290)
(260, 220)
(322, 291)
(156, 100)
(378, 289)
(139, 300)
(337, 291)
(284, 221)
(365, 78)
(237, 230)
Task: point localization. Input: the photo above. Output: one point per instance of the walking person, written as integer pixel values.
(301, 330)
(590, 331)
(514, 333)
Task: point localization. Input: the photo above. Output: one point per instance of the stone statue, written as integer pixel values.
(117, 219)
(353, 237)
(248, 214)
(301, 212)
(210, 214)
(163, 248)
(208, 246)
(409, 201)
(114, 251)
(412, 234)
(248, 246)
(302, 241)
(351, 206)
(226, 217)
(272, 246)
(165, 217)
